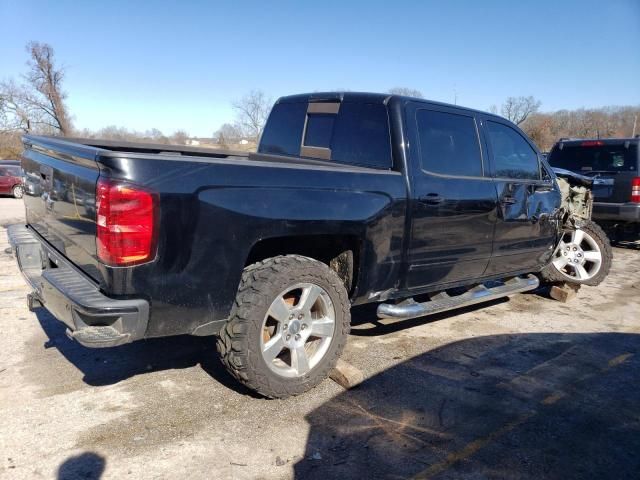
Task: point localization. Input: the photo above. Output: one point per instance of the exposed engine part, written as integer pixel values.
(577, 201)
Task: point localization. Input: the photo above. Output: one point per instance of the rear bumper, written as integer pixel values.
(619, 212)
(92, 318)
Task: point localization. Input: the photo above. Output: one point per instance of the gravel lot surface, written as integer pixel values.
(521, 388)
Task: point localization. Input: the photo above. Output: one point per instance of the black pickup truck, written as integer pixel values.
(351, 198)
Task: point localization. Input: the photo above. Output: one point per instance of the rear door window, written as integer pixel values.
(513, 157)
(594, 156)
(449, 143)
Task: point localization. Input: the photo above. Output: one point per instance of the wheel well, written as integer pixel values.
(340, 253)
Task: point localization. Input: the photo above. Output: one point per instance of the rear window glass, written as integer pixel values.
(361, 135)
(283, 132)
(10, 171)
(319, 130)
(357, 135)
(611, 158)
(449, 144)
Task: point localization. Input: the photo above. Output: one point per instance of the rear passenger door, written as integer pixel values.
(453, 203)
(525, 230)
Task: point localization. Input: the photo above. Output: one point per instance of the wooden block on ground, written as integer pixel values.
(346, 375)
(564, 292)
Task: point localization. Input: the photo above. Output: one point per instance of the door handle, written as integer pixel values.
(507, 200)
(431, 199)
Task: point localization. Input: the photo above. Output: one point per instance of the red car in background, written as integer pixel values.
(11, 180)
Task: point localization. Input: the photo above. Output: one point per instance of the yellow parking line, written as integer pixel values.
(471, 448)
(620, 359)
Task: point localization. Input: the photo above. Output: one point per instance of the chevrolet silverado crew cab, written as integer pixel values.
(614, 166)
(351, 198)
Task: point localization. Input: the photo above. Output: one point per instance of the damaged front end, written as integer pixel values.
(583, 254)
(577, 198)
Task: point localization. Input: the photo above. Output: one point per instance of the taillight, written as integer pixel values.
(635, 190)
(125, 223)
(592, 143)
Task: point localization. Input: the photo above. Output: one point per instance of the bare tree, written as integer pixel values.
(15, 114)
(252, 111)
(227, 134)
(179, 137)
(406, 92)
(47, 96)
(518, 109)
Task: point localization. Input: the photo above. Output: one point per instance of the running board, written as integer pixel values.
(443, 302)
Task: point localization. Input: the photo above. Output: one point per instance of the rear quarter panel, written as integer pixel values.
(213, 212)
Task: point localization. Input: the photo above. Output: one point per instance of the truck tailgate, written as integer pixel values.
(60, 198)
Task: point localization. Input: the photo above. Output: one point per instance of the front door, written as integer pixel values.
(528, 200)
(453, 204)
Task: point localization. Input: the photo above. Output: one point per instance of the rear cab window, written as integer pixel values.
(283, 130)
(595, 156)
(351, 133)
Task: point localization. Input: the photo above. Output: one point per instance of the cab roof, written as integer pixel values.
(367, 97)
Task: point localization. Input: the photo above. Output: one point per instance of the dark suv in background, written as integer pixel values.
(614, 166)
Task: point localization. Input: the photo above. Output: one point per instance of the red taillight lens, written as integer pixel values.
(125, 223)
(635, 190)
(592, 143)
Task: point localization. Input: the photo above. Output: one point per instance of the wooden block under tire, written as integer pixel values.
(346, 375)
(564, 292)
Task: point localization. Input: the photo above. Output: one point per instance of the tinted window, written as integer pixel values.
(283, 132)
(319, 130)
(15, 171)
(593, 158)
(449, 143)
(361, 135)
(513, 157)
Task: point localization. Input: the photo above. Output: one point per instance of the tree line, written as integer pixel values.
(37, 104)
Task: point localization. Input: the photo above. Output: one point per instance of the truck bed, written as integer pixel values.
(213, 208)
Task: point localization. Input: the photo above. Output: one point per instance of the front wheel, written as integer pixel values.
(18, 191)
(583, 256)
(288, 327)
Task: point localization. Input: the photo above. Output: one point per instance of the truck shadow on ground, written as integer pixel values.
(111, 365)
(523, 406)
(108, 366)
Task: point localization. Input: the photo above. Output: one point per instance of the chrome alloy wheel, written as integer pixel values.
(578, 256)
(297, 330)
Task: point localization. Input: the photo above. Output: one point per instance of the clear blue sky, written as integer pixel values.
(170, 65)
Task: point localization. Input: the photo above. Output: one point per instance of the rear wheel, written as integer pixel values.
(288, 328)
(583, 256)
(18, 191)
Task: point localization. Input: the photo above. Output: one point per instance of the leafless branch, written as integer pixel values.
(252, 111)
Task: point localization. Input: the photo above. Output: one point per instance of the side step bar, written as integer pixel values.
(443, 302)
